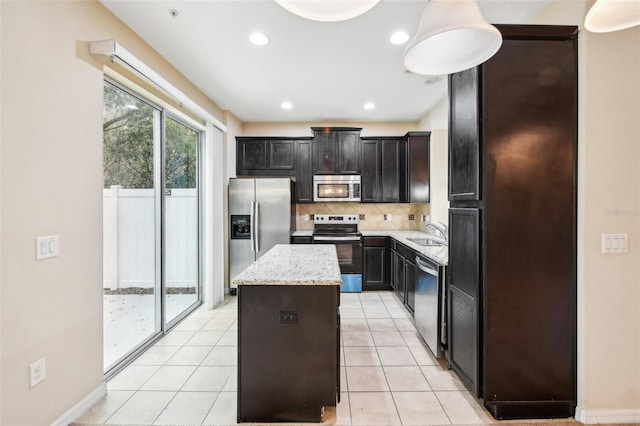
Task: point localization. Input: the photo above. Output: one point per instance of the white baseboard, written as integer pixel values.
(607, 416)
(82, 407)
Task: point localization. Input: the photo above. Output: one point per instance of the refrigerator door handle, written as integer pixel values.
(257, 228)
(252, 226)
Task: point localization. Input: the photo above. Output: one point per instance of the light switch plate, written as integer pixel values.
(615, 243)
(47, 247)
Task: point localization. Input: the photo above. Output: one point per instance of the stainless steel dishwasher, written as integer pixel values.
(428, 305)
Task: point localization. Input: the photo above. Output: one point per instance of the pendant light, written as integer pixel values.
(327, 10)
(612, 15)
(452, 36)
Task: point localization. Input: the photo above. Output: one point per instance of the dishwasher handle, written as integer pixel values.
(425, 268)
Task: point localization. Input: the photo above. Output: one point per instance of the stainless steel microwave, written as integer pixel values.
(337, 188)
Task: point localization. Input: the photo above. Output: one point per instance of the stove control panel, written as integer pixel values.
(332, 218)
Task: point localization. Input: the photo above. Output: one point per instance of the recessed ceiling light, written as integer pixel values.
(369, 106)
(286, 105)
(259, 39)
(399, 37)
(174, 13)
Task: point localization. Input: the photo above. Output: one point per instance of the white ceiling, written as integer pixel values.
(328, 71)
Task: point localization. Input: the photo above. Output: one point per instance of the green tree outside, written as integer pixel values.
(128, 131)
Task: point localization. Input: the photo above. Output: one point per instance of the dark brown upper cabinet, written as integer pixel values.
(415, 187)
(265, 156)
(464, 136)
(383, 169)
(304, 171)
(336, 150)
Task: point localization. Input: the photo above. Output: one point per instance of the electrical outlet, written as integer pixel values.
(361, 217)
(388, 216)
(37, 372)
(412, 217)
(306, 217)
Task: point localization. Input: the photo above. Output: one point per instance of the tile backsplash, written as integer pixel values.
(374, 214)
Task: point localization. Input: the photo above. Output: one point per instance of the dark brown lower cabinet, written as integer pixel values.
(375, 263)
(288, 352)
(463, 295)
(301, 239)
(397, 270)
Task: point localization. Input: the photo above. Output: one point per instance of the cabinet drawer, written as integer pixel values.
(374, 241)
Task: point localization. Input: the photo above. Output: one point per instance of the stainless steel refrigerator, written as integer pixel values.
(261, 215)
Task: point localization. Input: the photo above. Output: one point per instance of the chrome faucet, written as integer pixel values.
(442, 229)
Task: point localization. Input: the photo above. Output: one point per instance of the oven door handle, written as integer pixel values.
(328, 238)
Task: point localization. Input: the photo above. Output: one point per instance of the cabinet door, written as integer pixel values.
(464, 136)
(463, 298)
(373, 271)
(251, 157)
(324, 153)
(418, 167)
(282, 156)
(304, 173)
(371, 190)
(390, 170)
(410, 283)
(347, 152)
(398, 271)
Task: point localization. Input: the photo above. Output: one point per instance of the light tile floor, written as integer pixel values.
(129, 320)
(388, 375)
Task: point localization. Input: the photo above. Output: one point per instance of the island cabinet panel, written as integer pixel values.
(512, 293)
(336, 150)
(288, 352)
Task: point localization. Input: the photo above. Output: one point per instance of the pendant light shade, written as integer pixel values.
(612, 15)
(452, 36)
(327, 10)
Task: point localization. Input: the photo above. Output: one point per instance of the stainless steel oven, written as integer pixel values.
(341, 230)
(336, 188)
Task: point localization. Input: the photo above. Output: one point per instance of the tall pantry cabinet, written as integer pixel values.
(512, 190)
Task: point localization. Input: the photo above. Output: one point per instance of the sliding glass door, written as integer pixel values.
(151, 238)
(182, 219)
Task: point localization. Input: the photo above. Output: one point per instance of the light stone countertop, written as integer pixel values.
(439, 254)
(296, 264)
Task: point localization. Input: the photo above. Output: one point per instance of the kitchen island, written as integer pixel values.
(288, 334)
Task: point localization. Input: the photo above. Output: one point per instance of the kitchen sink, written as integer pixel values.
(427, 242)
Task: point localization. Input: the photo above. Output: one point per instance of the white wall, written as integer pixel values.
(304, 129)
(51, 183)
(609, 185)
(437, 121)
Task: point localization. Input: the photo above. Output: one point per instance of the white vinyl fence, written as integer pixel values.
(129, 219)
